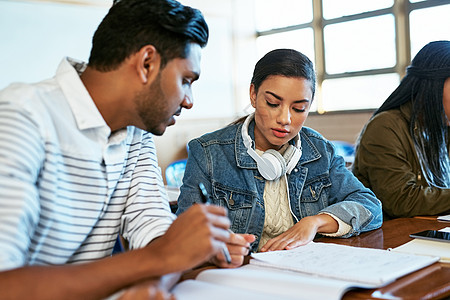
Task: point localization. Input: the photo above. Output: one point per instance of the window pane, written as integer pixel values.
(358, 92)
(364, 44)
(339, 8)
(301, 40)
(275, 14)
(429, 24)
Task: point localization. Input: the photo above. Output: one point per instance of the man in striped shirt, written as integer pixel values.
(78, 165)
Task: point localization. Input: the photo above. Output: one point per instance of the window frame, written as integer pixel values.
(401, 10)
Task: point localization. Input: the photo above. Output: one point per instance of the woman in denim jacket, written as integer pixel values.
(280, 181)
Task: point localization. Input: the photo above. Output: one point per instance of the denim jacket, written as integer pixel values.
(320, 182)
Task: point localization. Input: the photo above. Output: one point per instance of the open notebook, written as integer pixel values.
(313, 271)
(369, 266)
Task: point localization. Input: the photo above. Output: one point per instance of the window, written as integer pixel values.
(358, 92)
(360, 48)
(363, 44)
(300, 39)
(267, 16)
(429, 24)
(336, 9)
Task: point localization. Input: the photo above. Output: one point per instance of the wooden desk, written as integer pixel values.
(432, 282)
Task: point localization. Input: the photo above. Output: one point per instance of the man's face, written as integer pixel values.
(171, 91)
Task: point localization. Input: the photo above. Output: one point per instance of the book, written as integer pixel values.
(256, 282)
(313, 271)
(427, 247)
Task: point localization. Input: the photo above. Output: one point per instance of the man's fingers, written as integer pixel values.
(238, 250)
(217, 216)
(239, 239)
(220, 234)
(250, 238)
(236, 260)
(216, 210)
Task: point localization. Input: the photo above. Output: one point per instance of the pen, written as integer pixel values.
(207, 200)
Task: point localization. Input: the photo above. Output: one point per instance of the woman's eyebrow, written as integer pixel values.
(274, 95)
(281, 98)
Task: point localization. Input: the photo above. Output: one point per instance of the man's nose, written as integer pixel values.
(188, 101)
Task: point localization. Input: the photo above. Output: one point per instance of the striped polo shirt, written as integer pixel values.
(68, 185)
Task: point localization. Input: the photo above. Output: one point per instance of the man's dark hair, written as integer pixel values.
(131, 24)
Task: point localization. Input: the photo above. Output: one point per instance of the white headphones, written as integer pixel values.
(271, 164)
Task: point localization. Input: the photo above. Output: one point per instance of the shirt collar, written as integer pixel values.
(83, 107)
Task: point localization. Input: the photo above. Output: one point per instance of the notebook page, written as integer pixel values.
(365, 265)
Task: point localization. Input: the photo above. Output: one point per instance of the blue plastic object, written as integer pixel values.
(175, 172)
(346, 150)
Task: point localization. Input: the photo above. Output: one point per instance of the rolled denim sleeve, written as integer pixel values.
(355, 204)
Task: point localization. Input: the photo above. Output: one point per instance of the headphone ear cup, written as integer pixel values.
(291, 156)
(276, 161)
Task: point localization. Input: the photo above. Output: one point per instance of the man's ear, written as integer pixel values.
(147, 63)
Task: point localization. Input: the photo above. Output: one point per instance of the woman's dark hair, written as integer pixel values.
(131, 24)
(284, 62)
(423, 86)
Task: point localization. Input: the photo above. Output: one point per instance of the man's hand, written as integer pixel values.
(238, 246)
(155, 289)
(146, 291)
(193, 238)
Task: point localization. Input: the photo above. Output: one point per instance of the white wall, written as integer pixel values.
(35, 36)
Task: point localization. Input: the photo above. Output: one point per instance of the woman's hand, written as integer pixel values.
(302, 233)
(238, 246)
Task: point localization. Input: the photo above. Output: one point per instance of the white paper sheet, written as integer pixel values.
(365, 265)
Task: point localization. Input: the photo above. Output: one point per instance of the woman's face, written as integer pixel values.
(281, 107)
(446, 99)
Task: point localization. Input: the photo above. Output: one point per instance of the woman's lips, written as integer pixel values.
(279, 132)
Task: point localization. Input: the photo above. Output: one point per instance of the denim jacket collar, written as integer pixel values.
(244, 160)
